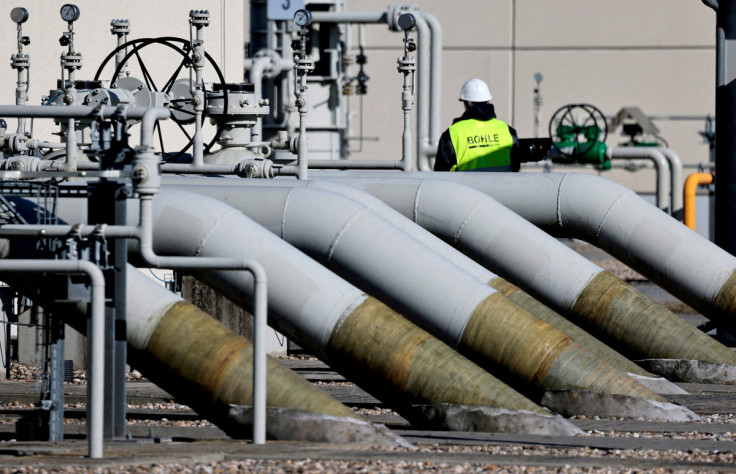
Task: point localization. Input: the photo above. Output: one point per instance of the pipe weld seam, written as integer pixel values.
(559, 199)
(211, 230)
(468, 217)
(343, 229)
(415, 208)
(599, 227)
(282, 232)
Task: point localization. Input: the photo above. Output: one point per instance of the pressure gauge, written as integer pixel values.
(69, 12)
(303, 18)
(19, 15)
(407, 21)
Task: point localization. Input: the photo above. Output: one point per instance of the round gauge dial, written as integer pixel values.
(407, 21)
(69, 12)
(19, 15)
(303, 17)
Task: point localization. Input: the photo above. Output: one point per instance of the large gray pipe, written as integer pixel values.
(612, 310)
(354, 333)
(182, 349)
(436, 294)
(614, 218)
(206, 185)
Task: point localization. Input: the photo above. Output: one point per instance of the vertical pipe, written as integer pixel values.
(71, 145)
(429, 146)
(676, 182)
(424, 85)
(259, 354)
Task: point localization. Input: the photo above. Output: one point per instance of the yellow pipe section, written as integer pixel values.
(386, 354)
(209, 368)
(691, 185)
(505, 338)
(529, 303)
(623, 316)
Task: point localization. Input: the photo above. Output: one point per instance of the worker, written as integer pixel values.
(477, 141)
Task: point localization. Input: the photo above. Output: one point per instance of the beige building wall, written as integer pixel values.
(658, 55)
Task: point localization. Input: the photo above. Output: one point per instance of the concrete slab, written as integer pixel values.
(494, 420)
(659, 385)
(590, 404)
(691, 371)
(285, 424)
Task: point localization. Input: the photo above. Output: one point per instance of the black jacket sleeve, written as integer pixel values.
(445, 157)
(515, 151)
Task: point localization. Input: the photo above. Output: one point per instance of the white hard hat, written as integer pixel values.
(475, 90)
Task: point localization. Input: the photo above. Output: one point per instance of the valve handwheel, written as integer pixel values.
(576, 128)
(182, 111)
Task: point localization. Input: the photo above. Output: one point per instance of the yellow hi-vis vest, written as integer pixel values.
(481, 144)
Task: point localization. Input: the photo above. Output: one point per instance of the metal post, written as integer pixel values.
(107, 198)
(725, 201)
(56, 380)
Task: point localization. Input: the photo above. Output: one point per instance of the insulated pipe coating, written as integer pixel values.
(190, 354)
(354, 333)
(610, 309)
(433, 292)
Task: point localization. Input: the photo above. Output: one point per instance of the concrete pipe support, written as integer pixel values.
(610, 309)
(435, 293)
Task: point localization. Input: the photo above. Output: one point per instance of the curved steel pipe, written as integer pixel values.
(386, 354)
(482, 274)
(433, 292)
(660, 164)
(506, 243)
(614, 218)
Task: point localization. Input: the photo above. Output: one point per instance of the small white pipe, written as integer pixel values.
(677, 183)
(660, 163)
(423, 86)
(71, 145)
(96, 336)
(435, 105)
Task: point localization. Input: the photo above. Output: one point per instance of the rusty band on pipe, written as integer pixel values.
(189, 347)
(536, 353)
(389, 354)
(637, 326)
(529, 303)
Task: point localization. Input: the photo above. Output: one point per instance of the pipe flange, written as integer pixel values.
(395, 11)
(273, 68)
